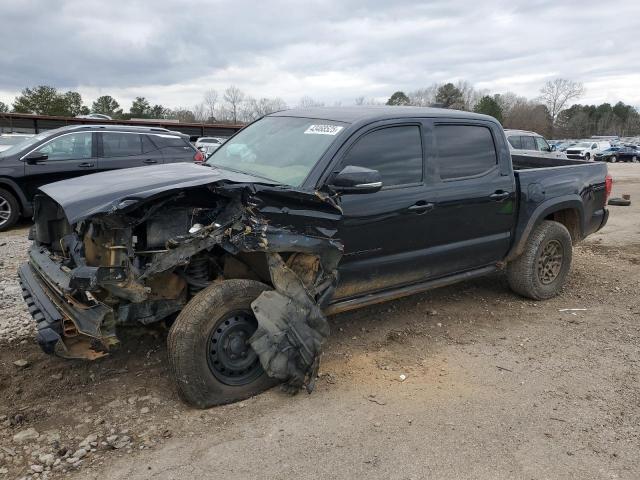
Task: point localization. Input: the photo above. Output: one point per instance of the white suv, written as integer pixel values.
(523, 142)
(586, 150)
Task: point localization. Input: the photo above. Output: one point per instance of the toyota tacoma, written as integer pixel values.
(302, 214)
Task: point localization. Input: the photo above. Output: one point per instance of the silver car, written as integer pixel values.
(523, 142)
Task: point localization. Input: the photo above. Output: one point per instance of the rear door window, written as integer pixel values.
(117, 144)
(515, 142)
(528, 142)
(464, 151)
(395, 152)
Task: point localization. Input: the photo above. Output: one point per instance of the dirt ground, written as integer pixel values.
(497, 387)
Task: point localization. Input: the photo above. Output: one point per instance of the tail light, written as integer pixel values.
(608, 186)
(198, 157)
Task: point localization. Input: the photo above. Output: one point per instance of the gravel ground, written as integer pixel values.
(468, 381)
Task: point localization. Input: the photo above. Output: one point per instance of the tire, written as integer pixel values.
(619, 202)
(9, 210)
(217, 319)
(614, 159)
(634, 159)
(587, 157)
(534, 274)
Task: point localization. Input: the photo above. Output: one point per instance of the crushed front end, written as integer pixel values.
(140, 259)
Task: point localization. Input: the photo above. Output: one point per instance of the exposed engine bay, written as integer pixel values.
(140, 260)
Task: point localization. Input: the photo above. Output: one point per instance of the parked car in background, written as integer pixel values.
(211, 143)
(78, 150)
(586, 150)
(8, 140)
(625, 153)
(607, 154)
(523, 142)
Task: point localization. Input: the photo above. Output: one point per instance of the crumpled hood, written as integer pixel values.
(84, 196)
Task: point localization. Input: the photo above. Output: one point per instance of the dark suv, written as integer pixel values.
(78, 150)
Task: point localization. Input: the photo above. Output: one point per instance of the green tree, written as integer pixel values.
(489, 106)
(45, 100)
(140, 108)
(398, 98)
(42, 100)
(158, 111)
(449, 96)
(107, 105)
(4, 108)
(71, 102)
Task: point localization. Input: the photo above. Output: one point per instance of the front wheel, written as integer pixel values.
(9, 210)
(614, 159)
(210, 357)
(542, 268)
(587, 157)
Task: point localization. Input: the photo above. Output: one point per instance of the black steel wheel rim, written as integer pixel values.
(550, 262)
(229, 355)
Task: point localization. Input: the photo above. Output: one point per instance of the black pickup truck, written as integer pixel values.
(302, 214)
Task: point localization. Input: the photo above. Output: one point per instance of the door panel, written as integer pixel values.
(383, 231)
(384, 238)
(68, 155)
(475, 211)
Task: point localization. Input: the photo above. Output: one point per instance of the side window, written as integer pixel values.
(74, 146)
(395, 152)
(543, 146)
(515, 142)
(528, 143)
(147, 144)
(116, 144)
(464, 151)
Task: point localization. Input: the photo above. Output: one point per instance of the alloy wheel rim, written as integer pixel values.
(550, 262)
(229, 355)
(5, 210)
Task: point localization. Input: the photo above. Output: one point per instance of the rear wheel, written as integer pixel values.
(209, 354)
(634, 159)
(614, 159)
(9, 210)
(542, 268)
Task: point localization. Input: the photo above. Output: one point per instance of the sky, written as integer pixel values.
(172, 51)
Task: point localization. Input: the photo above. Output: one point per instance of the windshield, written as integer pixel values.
(583, 145)
(283, 149)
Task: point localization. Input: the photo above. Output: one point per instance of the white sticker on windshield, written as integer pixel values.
(323, 129)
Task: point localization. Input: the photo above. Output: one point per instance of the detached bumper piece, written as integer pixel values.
(66, 327)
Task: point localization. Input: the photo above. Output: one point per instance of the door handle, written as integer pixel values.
(421, 207)
(86, 165)
(149, 161)
(499, 195)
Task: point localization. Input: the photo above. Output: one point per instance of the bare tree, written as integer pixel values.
(556, 93)
(424, 97)
(199, 112)
(359, 101)
(234, 98)
(307, 101)
(210, 101)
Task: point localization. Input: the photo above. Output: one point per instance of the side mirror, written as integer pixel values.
(35, 157)
(352, 179)
(552, 148)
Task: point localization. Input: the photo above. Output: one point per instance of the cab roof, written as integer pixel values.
(357, 114)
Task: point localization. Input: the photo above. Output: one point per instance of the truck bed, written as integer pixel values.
(577, 185)
(526, 162)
